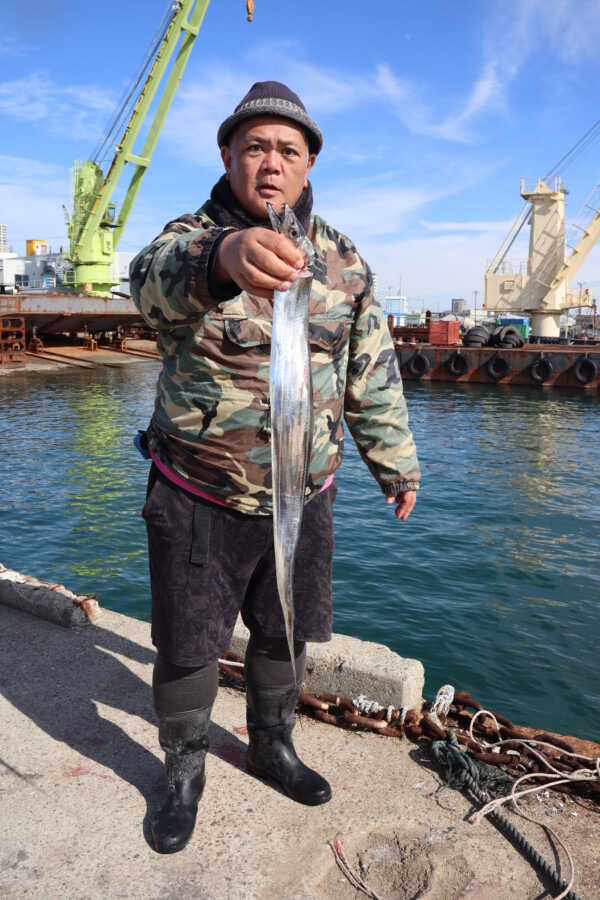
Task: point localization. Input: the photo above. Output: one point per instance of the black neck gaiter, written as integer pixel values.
(226, 210)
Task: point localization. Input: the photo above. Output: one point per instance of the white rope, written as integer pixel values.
(476, 818)
(442, 702)
(580, 775)
(368, 707)
(230, 662)
(483, 712)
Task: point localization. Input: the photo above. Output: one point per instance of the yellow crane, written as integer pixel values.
(539, 285)
(95, 227)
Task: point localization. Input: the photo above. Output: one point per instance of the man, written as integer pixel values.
(206, 284)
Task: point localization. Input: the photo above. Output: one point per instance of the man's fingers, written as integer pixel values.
(251, 277)
(281, 246)
(261, 261)
(265, 263)
(405, 503)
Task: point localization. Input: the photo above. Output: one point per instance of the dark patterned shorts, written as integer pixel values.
(208, 563)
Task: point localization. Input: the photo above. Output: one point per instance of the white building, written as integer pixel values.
(395, 305)
(44, 270)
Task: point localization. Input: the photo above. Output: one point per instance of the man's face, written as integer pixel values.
(267, 161)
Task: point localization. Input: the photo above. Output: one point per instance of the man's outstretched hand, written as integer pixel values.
(259, 261)
(405, 502)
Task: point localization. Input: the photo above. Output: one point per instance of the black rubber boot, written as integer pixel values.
(183, 738)
(271, 753)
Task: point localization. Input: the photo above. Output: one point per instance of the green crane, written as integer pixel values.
(95, 229)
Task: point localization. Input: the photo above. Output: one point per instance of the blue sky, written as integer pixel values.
(432, 113)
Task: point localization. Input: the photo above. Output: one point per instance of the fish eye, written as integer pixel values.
(294, 232)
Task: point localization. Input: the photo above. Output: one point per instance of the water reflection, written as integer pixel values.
(72, 483)
(95, 508)
(496, 577)
(494, 583)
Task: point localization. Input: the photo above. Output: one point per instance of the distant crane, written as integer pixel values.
(94, 227)
(539, 285)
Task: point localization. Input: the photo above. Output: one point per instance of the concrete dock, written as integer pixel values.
(81, 770)
(64, 356)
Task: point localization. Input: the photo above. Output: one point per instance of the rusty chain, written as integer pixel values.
(519, 752)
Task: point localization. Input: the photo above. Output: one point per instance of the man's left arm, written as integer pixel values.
(375, 408)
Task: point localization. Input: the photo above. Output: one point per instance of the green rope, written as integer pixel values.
(464, 772)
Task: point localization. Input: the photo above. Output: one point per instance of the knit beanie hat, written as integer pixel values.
(271, 98)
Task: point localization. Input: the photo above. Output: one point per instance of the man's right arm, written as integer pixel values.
(193, 265)
(171, 277)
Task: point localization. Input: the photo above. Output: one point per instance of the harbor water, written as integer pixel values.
(493, 583)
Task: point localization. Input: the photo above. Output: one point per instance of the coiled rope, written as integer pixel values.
(462, 771)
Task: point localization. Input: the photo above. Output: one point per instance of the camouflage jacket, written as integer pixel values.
(211, 420)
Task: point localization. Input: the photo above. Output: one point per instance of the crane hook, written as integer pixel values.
(249, 9)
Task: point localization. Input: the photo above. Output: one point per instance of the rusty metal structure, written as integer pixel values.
(535, 365)
(68, 313)
(434, 352)
(12, 340)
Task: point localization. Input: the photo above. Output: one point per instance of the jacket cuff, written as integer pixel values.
(400, 486)
(220, 292)
(202, 284)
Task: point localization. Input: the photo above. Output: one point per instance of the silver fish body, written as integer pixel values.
(291, 416)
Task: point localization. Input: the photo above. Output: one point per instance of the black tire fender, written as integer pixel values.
(418, 365)
(498, 367)
(585, 370)
(541, 369)
(457, 364)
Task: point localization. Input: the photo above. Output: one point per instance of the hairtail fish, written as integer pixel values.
(291, 414)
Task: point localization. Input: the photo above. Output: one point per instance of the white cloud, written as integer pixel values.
(518, 28)
(35, 98)
(10, 46)
(482, 227)
(439, 267)
(362, 209)
(191, 127)
(32, 194)
(513, 33)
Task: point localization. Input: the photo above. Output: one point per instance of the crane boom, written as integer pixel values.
(94, 232)
(587, 230)
(539, 286)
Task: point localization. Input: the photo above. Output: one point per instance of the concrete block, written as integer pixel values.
(46, 600)
(349, 667)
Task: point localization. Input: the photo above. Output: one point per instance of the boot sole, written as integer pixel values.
(262, 773)
(181, 846)
(166, 850)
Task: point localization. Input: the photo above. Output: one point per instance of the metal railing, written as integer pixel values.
(509, 267)
(552, 185)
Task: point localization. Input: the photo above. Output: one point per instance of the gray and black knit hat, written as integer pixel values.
(271, 98)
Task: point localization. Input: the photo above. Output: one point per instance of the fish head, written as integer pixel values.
(287, 224)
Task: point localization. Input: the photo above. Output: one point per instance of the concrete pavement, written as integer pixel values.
(81, 769)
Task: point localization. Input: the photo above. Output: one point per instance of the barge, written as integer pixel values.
(54, 313)
(535, 365)
(435, 352)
